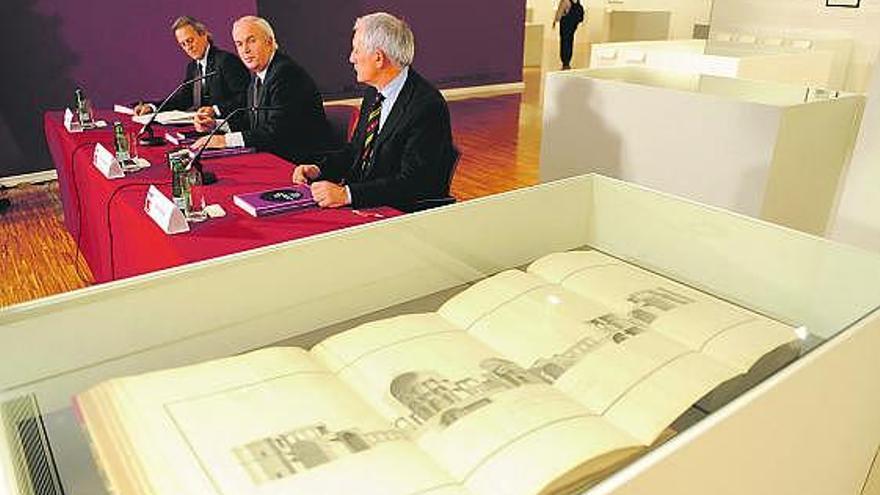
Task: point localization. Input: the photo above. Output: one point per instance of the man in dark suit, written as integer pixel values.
(294, 127)
(402, 152)
(226, 89)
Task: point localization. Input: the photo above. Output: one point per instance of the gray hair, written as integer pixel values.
(185, 20)
(392, 36)
(263, 24)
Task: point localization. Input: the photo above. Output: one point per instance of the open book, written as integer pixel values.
(528, 382)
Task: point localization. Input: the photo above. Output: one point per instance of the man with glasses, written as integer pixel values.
(224, 91)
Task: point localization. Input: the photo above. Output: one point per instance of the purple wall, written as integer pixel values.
(125, 50)
(458, 42)
(119, 51)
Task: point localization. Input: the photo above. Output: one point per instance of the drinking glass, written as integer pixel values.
(133, 145)
(197, 203)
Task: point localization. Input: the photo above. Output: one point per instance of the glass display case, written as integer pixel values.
(817, 412)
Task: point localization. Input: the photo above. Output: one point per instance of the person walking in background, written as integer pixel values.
(569, 14)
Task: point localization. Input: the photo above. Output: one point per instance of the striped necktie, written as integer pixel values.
(371, 131)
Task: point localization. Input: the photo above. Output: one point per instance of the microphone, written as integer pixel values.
(150, 139)
(210, 177)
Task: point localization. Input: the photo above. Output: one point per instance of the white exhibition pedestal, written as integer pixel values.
(763, 149)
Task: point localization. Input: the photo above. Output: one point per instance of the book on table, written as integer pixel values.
(533, 381)
(271, 201)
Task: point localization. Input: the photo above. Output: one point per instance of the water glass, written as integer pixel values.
(197, 201)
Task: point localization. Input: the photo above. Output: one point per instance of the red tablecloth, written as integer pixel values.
(118, 239)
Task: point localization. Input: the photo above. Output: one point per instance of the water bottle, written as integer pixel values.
(82, 108)
(178, 163)
(120, 140)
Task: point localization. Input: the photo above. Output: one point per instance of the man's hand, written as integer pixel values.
(303, 174)
(329, 195)
(206, 111)
(143, 108)
(218, 141)
(204, 119)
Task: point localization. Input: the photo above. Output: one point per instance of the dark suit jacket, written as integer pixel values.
(226, 89)
(413, 155)
(298, 130)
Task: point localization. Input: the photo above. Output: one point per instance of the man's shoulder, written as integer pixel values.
(282, 64)
(221, 54)
(423, 90)
(284, 67)
(222, 57)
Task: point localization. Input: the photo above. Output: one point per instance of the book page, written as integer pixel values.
(478, 414)
(269, 422)
(734, 335)
(615, 366)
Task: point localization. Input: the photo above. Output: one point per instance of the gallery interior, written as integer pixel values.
(656, 270)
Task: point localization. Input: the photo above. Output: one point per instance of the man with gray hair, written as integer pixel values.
(225, 89)
(402, 153)
(293, 124)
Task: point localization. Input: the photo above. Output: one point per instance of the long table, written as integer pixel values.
(117, 239)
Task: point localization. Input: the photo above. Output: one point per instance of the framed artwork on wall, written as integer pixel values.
(853, 4)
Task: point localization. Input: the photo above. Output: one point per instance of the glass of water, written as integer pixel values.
(197, 202)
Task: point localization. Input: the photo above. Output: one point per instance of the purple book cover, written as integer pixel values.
(275, 200)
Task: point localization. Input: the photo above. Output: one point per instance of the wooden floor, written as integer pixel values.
(499, 138)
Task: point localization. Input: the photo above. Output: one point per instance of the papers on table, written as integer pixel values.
(166, 118)
(123, 109)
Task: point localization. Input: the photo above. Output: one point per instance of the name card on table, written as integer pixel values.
(69, 123)
(164, 212)
(73, 125)
(105, 161)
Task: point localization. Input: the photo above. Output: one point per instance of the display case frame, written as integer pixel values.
(763, 441)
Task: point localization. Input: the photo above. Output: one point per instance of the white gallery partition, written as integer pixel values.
(856, 220)
(806, 23)
(782, 63)
(533, 46)
(767, 150)
(682, 16)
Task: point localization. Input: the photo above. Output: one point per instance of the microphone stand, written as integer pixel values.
(209, 177)
(150, 139)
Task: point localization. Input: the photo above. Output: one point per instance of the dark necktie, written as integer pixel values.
(372, 130)
(255, 115)
(197, 87)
